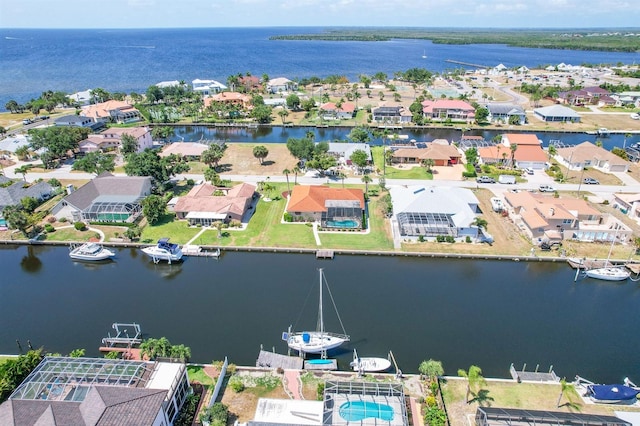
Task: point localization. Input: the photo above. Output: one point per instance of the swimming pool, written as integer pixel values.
(348, 223)
(354, 411)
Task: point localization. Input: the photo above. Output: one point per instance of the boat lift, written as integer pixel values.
(122, 336)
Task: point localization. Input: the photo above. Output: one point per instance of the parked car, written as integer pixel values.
(591, 181)
(486, 179)
(635, 116)
(546, 188)
(507, 179)
(528, 171)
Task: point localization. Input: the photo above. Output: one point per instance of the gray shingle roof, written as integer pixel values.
(107, 185)
(12, 194)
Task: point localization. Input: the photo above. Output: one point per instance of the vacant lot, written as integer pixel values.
(239, 160)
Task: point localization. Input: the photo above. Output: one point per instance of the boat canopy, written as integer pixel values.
(612, 392)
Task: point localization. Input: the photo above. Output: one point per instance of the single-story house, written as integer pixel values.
(503, 112)
(12, 194)
(98, 392)
(546, 218)
(528, 152)
(112, 111)
(441, 154)
(336, 208)
(206, 204)
(587, 95)
(342, 151)
(628, 204)
(432, 211)
(81, 98)
(331, 111)
(281, 84)
(557, 113)
(628, 98)
(106, 198)
(445, 109)
(111, 139)
(588, 154)
(207, 87)
(387, 113)
(77, 121)
(191, 150)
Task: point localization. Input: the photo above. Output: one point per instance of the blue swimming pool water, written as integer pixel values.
(342, 223)
(359, 410)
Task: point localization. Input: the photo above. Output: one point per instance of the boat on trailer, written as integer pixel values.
(318, 341)
(90, 252)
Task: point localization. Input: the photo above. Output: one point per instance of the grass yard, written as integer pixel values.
(179, 231)
(70, 235)
(197, 374)
(395, 172)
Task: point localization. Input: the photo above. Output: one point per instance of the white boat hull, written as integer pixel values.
(90, 252)
(156, 254)
(608, 274)
(370, 364)
(316, 343)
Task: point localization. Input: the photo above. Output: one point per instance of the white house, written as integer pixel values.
(207, 87)
(281, 84)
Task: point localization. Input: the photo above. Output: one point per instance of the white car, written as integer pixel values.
(635, 116)
(546, 188)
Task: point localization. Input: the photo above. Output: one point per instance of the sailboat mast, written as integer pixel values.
(320, 315)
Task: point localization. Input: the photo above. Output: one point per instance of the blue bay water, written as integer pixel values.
(33, 61)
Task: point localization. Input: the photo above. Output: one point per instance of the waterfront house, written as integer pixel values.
(81, 98)
(249, 83)
(190, 150)
(588, 154)
(627, 203)
(446, 109)
(281, 85)
(111, 139)
(393, 114)
(557, 113)
(229, 98)
(11, 192)
(206, 204)
(98, 392)
(343, 151)
(442, 154)
(528, 152)
(587, 95)
(502, 113)
(106, 198)
(331, 111)
(336, 208)
(544, 218)
(207, 87)
(112, 111)
(73, 120)
(431, 211)
(627, 98)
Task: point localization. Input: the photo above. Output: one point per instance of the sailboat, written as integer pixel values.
(609, 272)
(318, 341)
(424, 54)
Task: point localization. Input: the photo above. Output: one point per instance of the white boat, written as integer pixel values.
(609, 272)
(369, 364)
(603, 131)
(318, 341)
(90, 252)
(424, 54)
(164, 250)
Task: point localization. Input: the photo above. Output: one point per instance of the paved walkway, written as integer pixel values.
(292, 377)
(316, 235)
(97, 231)
(626, 178)
(196, 236)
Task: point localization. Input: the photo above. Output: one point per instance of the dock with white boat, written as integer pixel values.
(197, 251)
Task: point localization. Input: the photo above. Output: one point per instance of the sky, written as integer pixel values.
(323, 13)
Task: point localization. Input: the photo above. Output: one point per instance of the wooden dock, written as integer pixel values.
(533, 376)
(586, 263)
(190, 250)
(274, 361)
(127, 353)
(324, 254)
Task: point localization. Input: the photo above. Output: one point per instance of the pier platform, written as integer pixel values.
(533, 376)
(324, 254)
(274, 361)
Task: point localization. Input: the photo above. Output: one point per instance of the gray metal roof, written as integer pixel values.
(109, 187)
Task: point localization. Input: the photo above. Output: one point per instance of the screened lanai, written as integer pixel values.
(426, 224)
(113, 209)
(342, 214)
(69, 379)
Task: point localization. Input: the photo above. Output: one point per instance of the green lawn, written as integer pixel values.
(393, 173)
(179, 231)
(70, 234)
(197, 374)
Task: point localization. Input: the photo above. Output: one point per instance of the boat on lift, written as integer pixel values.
(369, 364)
(164, 250)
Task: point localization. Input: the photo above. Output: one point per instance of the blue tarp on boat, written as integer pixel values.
(612, 392)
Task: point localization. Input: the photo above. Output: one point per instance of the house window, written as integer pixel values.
(567, 221)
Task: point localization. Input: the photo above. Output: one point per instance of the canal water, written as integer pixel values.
(462, 312)
(279, 134)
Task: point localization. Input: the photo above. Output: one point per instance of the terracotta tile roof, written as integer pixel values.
(229, 96)
(434, 151)
(201, 199)
(102, 110)
(587, 151)
(312, 198)
(429, 106)
(118, 132)
(529, 153)
(522, 139)
(346, 107)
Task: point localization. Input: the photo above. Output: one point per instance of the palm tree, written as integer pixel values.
(428, 163)
(563, 388)
(296, 170)
(367, 180)
(286, 172)
(342, 176)
(431, 369)
(23, 170)
(626, 136)
(474, 378)
(552, 151)
(479, 223)
(260, 152)
(283, 113)
(513, 147)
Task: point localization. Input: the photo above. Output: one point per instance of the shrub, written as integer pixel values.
(49, 228)
(62, 220)
(467, 239)
(288, 217)
(190, 182)
(450, 239)
(320, 391)
(54, 182)
(440, 238)
(435, 417)
(80, 226)
(217, 414)
(235, 224)
(235, 383)
(51, 219)
(421, 238)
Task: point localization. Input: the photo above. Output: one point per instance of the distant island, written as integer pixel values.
(608, 40)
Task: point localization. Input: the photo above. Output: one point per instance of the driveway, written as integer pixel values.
(448, 172)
